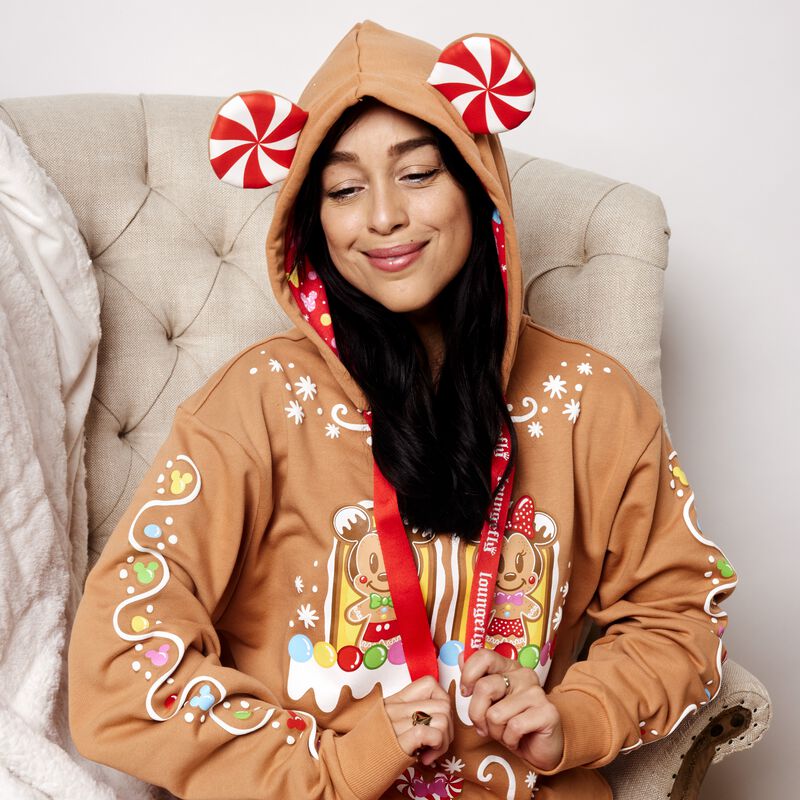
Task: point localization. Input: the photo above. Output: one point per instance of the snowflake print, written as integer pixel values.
(298, 584)
(585, 368)
(306, 388)
(275, 366)
(307, 615)
(452, 765)
(556, 386)
(573, 408)
(530, 780)
(535, 429)
(294, 411)
(332, 430)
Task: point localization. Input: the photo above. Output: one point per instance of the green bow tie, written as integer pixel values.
(376, 601)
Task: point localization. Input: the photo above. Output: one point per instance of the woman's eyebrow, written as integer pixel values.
(397, 149)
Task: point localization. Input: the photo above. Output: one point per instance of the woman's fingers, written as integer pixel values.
(537, 735)
(403, 713)
(482, 677)
(488, 690)
(534, 719)
(434, 738)
(431, 741)
(503, 718)
(483, 662)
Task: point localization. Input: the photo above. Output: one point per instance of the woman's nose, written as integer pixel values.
(387, 210)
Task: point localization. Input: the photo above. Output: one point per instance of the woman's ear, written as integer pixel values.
(487, 83)
(253, 139)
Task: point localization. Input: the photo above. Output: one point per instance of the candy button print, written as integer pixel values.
(158, 657)
(205, 699)
(145, 573)
(179, 481)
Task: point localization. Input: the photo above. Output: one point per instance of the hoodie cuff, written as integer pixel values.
(370, 757)
(586, 727)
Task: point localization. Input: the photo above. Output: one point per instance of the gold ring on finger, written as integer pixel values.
(507, 683)
(421, 718)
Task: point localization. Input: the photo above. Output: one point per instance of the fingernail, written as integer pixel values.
(480, 732)
(464, 691)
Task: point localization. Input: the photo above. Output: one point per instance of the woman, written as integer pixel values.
(347, 574)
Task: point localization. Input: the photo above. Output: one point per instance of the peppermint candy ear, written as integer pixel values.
(254, 138)
(488, 85)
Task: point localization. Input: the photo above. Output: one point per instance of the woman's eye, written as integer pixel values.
(342, 194)
(420, 177)
(351, 191)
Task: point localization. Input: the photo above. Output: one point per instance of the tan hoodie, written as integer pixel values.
(223, 648)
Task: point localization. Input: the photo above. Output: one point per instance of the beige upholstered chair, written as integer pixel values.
(179, 260)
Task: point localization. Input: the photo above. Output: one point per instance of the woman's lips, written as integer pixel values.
(393, 259)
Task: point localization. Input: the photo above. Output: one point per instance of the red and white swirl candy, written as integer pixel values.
(486, 82)
(254, 138)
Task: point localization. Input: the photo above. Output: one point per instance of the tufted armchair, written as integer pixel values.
(179, 261)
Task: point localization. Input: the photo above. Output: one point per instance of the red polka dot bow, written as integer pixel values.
(486, 82)
(254, 138)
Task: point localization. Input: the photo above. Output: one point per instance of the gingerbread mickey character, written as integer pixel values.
(528, 533)
(366, 573)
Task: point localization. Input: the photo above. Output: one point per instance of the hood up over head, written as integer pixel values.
(475, 88)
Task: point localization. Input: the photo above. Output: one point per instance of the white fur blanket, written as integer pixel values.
(49, 333)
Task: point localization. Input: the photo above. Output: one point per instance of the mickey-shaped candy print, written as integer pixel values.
(725, 568)
(152, 565)
(179, 481)
(145, 573)
(205, 699)
(158, 657)
(309, 300)
(296, 722)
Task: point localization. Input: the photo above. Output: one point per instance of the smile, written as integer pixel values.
(393, 259)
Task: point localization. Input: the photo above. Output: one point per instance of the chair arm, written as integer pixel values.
(675, 766)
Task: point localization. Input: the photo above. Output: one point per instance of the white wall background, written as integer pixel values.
(696, 100)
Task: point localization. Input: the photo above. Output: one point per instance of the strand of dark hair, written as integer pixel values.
(434, 443)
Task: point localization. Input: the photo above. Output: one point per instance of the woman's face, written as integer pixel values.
(385, 186)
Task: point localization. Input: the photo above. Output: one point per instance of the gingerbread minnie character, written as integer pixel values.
(366, 572)
(520, 571)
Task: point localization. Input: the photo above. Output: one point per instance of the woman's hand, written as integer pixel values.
(429, 742)
(520, 716)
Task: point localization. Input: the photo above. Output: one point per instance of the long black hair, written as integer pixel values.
(434, 443)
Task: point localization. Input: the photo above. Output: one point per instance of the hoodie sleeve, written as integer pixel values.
(148, 691)
(660, 656)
